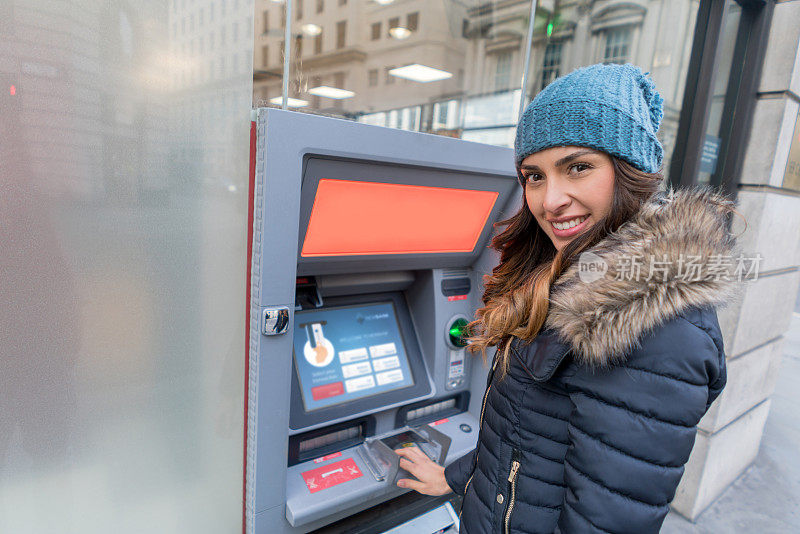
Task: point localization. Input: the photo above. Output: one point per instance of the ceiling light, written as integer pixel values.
(292, 102)
(400, 33)
(384, 2)
(331, 92)
(311, 29)
(420, 73)
(278, 1)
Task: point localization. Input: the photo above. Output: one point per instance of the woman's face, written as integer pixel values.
(568, 189)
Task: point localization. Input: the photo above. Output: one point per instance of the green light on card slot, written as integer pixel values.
(458, 333)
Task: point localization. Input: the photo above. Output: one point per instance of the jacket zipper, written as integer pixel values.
(512, 479)
(480, 425)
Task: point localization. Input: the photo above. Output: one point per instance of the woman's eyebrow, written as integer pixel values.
(563, 161)
(574, 155)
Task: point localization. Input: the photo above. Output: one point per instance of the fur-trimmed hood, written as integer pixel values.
(601, 316)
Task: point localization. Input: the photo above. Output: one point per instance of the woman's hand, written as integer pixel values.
(429, 474)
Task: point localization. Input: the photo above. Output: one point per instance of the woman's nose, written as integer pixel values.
(556, 197)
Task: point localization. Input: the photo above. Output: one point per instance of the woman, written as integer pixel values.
(603, 310)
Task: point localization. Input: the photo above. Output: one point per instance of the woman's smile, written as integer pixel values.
(570, 227)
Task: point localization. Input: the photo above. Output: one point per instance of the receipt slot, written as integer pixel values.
(369, 247)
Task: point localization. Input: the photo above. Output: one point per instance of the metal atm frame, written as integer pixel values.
(292, 153)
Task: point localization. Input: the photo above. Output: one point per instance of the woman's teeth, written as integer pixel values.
(569, 224)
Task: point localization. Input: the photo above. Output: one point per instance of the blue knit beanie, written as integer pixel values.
(612, 108)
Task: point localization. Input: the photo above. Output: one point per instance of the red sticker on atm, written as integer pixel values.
(439, 422)
(327, 457)
(456, 297)
(331, 475)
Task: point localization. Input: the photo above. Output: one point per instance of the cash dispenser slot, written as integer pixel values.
(323, 441)
(434, 410)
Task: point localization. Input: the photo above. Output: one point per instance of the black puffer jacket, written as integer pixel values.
(591, 427)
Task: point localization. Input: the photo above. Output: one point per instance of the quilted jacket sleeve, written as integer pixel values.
(457, 473)
(632, 428)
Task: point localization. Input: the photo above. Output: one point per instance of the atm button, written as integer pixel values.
(452, 384)
(327, 390)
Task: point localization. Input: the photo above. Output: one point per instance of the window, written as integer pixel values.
(318, 44)
(235, 31)
(283, 51)
(412, 21)
(394, 22)
(266, 21)
(552, 63)
(389, 77)
(338, 82)
(298, 46)
(342, 2)
(298, 13)
(373, 77)
(320, 6)
(265, 55)
(502, 72)
(341, 30)
(376, 31)
(618, 44)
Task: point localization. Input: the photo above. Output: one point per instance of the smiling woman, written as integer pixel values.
(568, 189)
(597, 385)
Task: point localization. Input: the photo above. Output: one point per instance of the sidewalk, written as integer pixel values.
(766, 498)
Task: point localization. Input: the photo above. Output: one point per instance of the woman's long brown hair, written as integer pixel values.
(516, 294)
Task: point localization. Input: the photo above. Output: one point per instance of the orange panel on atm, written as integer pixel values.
(352, 218)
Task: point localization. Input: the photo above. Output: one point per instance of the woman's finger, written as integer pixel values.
(412, 468)
(412, 484)
(415, 454)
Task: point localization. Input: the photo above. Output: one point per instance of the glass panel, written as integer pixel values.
(656, 36)
(124, 152)
(712, 143)
(450, 67)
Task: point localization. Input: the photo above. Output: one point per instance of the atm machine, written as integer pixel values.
(369, 246)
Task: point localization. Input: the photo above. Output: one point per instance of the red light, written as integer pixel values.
(13, 90)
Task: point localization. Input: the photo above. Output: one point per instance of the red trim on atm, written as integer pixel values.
(352, 218)
(250, 198)
(452, 298)
(327, 457)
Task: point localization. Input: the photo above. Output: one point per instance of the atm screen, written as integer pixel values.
(349, 352)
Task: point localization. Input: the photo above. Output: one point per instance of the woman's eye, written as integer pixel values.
(580, 167)
(533, 177)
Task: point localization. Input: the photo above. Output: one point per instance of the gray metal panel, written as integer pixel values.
(284, 138)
